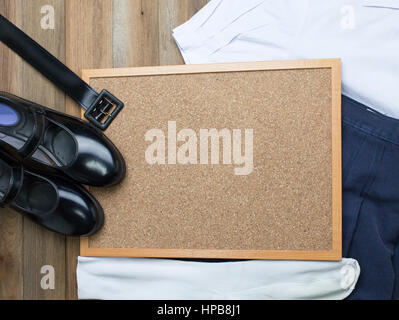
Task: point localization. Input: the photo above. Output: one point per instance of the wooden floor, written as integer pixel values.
(87, 34)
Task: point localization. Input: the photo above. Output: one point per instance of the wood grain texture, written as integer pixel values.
(2, 275)
(137, 44)
(42, 247)
(173, 13)
(88, 38)
(28, 246)
(11, 223)
(88, 45)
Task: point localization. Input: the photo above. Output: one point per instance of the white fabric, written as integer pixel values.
(157, 279)
(363, 33)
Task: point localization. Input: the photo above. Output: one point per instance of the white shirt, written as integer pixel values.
(363, 33)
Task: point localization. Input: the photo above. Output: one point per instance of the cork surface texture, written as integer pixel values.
(186, 195)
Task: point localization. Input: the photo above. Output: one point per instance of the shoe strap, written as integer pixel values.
(34, 140)
(16, 179)
(101, 108)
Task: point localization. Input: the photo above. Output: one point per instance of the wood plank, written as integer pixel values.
(11, 223)
(173, 13)
(88, 45)
(2, 275)
(135, 33)
(42, 247)
(88, 38)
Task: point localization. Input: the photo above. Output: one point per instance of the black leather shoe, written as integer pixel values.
(54, 203)
(51, 142)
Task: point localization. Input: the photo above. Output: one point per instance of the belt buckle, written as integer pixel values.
(99, 113)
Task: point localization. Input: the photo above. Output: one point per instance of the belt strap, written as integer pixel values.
(101, 108)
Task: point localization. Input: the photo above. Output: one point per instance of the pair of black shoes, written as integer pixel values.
(45, 156)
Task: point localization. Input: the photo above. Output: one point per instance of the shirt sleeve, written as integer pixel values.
(211, 20)
(240, 31)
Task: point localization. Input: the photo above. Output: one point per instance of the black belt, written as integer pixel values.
(101, 108)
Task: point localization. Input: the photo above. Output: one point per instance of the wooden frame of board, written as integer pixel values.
(336, 251)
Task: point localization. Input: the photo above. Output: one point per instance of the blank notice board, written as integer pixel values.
(235, 161)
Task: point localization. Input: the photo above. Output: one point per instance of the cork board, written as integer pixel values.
(265, 183)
